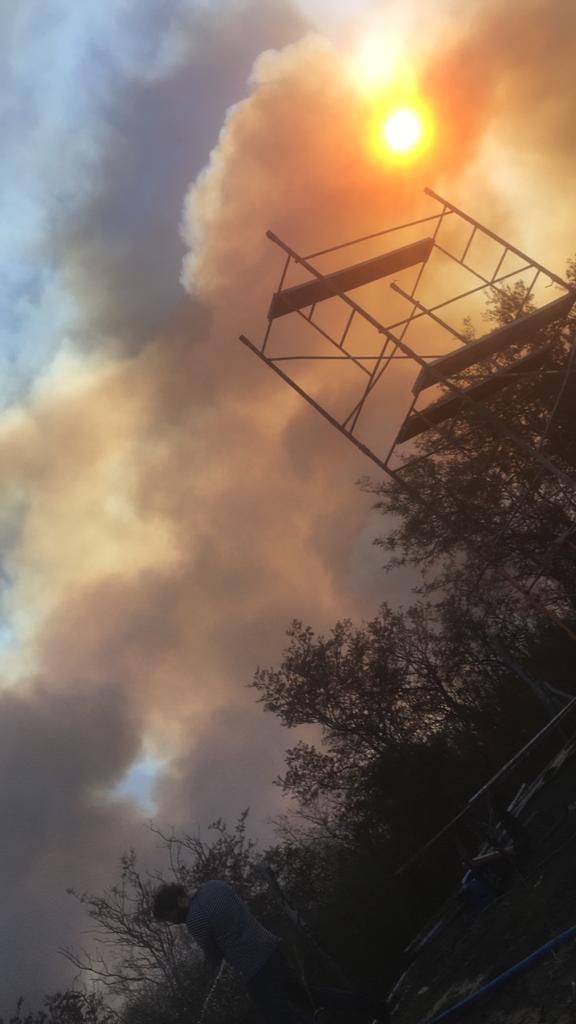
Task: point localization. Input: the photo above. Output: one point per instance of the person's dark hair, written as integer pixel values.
(166, 900)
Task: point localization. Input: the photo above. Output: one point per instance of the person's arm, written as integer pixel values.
(212, 955)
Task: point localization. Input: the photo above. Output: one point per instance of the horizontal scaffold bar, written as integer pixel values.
(300, 296)
(442, 410)
(520, 330)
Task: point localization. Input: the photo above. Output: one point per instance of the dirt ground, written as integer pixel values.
(469, 950)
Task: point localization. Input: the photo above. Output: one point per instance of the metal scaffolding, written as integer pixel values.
(425, 331)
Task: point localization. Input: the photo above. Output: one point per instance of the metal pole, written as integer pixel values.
(539, 689)
(497, 238)
(315, 405)
(298, 921)
(488, 785)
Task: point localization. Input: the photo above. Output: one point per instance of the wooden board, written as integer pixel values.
(446, 407)
(519, 330)
(300, 296)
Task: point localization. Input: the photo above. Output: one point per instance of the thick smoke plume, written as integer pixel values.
(169, 507)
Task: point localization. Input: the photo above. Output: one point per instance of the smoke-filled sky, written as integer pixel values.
(168, 505)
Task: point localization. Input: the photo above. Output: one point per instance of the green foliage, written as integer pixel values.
(414, 711)
(508, 303)
(70, 1007)
(468, 330)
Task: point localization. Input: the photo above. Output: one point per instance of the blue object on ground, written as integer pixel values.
(501, 979)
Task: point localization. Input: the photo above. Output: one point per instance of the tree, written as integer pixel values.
(413, 713)
(398, 683)
(69, 1007)
(478, 512)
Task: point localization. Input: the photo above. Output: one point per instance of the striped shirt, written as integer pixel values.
(220, 922)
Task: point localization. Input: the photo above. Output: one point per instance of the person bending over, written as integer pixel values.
(225, 929)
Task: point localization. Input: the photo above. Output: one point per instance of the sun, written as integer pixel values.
(401, 127)
(402, 130)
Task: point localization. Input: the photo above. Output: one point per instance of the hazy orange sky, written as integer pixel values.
(168, 506)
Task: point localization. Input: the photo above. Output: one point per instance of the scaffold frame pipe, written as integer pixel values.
(501, 979)
(497, 238)
(484, 789)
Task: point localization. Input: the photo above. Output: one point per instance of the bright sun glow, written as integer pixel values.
(400, 122)
(402, 130)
